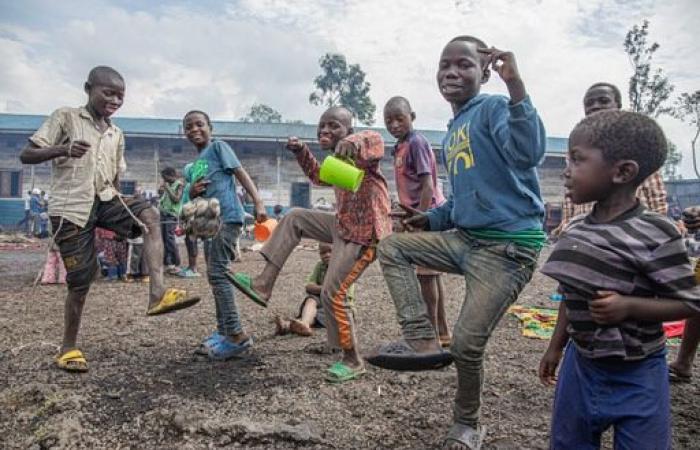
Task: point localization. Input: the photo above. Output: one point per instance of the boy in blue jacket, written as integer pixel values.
(489, 230)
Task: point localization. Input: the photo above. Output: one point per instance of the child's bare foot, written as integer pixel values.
(300, 328)
(281, 326)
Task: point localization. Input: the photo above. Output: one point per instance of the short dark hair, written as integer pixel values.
(479, 43)
(626, 135)
(399, 102)
(475, 40)
(168, 172)
(616, 91)
(196, 111)
(99, 73)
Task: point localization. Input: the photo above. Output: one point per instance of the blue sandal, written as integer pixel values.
(227, 349)
(209, 342)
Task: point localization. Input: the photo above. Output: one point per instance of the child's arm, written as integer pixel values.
(243, 178)
(367, 148)
(50, 141)
(176, 195)
(611, 308)
(515, 126)
(440, 218)
(426, 191)
(308, 163)
(550, 359)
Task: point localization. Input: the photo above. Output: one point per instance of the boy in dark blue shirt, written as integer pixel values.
(489, 230)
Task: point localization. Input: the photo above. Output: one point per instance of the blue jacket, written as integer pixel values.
(491, 151)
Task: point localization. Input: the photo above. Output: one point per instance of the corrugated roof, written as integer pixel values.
(143, 126)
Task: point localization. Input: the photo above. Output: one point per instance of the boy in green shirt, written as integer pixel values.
(170, 198)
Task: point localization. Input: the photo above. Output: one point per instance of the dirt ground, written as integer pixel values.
(145, 389)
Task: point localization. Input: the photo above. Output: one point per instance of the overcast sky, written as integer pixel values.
(223, 56)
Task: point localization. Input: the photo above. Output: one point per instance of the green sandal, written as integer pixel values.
(244, 282)
(340, 373)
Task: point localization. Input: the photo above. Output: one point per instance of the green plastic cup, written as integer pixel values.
(341, 173)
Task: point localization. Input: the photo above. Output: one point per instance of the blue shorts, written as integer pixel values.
(593, 395)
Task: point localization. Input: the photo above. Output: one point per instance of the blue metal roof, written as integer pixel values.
(143, 126)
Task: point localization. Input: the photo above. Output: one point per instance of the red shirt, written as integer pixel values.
(413, 157)
(362, 217)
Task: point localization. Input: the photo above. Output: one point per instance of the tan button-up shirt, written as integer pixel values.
(76, 181)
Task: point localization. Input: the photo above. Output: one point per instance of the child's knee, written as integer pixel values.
(387, 250)
(467, 348)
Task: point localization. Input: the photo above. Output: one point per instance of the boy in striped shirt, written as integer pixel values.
(623, 270)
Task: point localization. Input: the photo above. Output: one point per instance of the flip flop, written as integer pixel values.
(401, 356)
(226, 349)
(208, 343)
(72, 361)
(465, 435)
(676, 377)
(341, 373)
(172, 300)
(244, 282)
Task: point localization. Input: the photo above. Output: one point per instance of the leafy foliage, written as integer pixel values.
(261, 113)
(341, 84)
(648, 89)
(687, 109)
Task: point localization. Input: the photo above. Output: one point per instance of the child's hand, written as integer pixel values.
(260, 212)
(345, 149)
(77, 149)
(609, 308)
(199, 187)
(503, 62)
(548, 366)
(294, 144)
(411, 218)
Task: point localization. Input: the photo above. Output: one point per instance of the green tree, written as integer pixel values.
(341, 84)
(673, 160)
(687, 109)
(648, 89)
(260, 113)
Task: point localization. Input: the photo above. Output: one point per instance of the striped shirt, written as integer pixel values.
(641, 254)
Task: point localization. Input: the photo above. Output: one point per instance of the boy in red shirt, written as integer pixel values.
(361, 220)
(416, 182)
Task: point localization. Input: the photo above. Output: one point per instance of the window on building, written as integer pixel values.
(10, 183)
(127, 187)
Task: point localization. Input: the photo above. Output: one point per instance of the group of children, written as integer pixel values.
(621, 268)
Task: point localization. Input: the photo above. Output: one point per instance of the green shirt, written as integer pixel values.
(167, 204)
(319, 273)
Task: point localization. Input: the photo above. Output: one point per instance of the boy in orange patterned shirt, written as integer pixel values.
(361, 220)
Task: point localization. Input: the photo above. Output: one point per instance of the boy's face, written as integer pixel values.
(169, 178)
(324, 251)
(588, 177)
(197, 129)
(460, 73)
(106, 95)
(599, 98)
(332, 128)
(398, 121)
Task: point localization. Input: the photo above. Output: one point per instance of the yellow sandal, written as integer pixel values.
(173, 300)
(72, 361)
